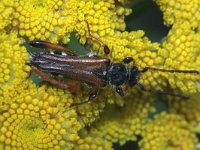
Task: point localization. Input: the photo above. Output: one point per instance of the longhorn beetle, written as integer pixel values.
(95, 71)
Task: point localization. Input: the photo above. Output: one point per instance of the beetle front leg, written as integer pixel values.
(127, 60)
(61, 84)
(93, 94)
(119, 90)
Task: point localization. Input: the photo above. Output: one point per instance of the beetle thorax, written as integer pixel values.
(117, 74)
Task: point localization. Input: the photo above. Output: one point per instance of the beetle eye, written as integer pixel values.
(134, 76)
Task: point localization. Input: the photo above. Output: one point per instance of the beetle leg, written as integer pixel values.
(48, 45)
(105, 46)
(60, 84)
(93, 94)
(127, 60)
(119, 90)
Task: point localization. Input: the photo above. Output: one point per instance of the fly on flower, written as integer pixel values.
(95, 71)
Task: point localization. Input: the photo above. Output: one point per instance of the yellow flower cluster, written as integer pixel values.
(44, 20)
(104, 18)
(63, 96)
(179, 11)
(122, 124)
(182, 48)
(5, 13)
(88, 111)
(46, 117)
(34, 121)
(168, 131)
(189, 109)
(13, 58)
(10, 91)
(92, 142)
(13, 68)
(55, 20)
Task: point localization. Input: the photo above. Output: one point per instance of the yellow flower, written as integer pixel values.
(46, 117)
(13, 68)
(189, 109)
(166, 132)
(55, 20)
(45, 20)
(5, 13)
(88, 111)
(122, 124)
(182, 48)
(104, 18)
(180, 11)
(63, 96)
(13, 57)
(92, 142)
(10, 91)
(34, 121)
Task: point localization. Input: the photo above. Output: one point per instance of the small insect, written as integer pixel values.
(95, 71)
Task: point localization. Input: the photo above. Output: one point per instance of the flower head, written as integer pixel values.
(5, 13)
(34, 121)
(13, 58)
(122, 124)
(189, 109)
(13, 68)
(104, 18)
(46, 117)
(168, 131)
(88, 111)
(92, 142)
(10, 91)
(182, 48)
(44, 20)
(180, 11)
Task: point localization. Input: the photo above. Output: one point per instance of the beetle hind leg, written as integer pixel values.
(59, 83)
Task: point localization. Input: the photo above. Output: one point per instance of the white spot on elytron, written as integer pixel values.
(104, 73)
(64, 54)
(91, 54)
(51, 52)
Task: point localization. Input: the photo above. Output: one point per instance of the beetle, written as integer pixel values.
(95, 71)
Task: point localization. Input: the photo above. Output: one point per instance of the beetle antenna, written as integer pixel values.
(170, 71)
(161, 92)
(106, 48)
